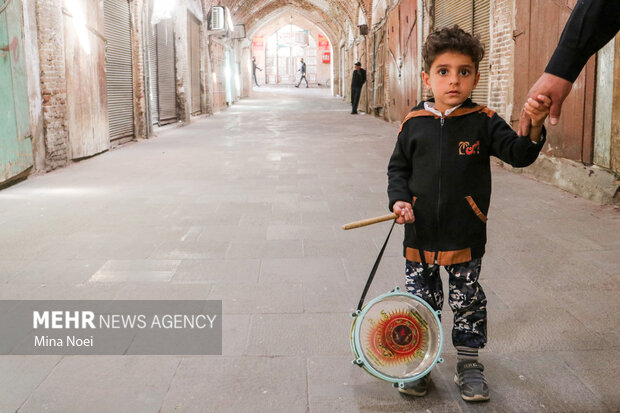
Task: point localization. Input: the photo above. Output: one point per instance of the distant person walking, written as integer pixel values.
(302, 69)
(254, 67)
(357, 81)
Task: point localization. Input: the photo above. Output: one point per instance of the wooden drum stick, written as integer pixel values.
(369, 221)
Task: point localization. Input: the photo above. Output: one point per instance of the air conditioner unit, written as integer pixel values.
(218, 22)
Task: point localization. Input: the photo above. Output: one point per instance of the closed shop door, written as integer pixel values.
(402, 41)
(152, 67)
(15, 144)
(481, 27)
(378, 100)
(87, 120)
(166, 89)
(473, 17)
(194, 61)
(119, 79)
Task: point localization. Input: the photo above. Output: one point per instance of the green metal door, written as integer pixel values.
(15, 138)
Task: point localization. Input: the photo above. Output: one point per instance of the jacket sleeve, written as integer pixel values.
(399, 171)
(590, 26)
(518, 151)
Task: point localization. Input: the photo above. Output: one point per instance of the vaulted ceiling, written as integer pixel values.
(331, 16)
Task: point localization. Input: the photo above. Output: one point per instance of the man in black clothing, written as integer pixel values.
(357, 81)
(590, 26)
(302, 69)
(254, 67)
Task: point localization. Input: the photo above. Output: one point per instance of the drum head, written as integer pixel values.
(397, 337)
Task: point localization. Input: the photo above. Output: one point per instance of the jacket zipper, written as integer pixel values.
(442, 121)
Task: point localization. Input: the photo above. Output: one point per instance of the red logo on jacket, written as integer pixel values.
(466, 148)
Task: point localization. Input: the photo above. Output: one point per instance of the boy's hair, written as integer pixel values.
(451, 39)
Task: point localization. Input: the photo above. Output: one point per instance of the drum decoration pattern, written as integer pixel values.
(397, 337)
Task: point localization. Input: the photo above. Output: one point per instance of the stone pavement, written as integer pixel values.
(246, 206)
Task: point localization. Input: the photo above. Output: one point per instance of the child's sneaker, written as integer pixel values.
(471, 381)
(418, 387)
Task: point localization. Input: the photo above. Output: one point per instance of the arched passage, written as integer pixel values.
(279, 44)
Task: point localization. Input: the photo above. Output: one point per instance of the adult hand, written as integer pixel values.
(548, 85)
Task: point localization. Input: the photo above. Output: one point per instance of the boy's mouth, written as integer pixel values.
(453, 92)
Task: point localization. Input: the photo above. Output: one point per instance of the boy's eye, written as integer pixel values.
(443, 71)
(464, 72)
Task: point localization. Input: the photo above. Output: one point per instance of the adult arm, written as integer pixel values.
(590, 26)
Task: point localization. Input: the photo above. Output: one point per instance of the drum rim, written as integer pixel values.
(357, 345)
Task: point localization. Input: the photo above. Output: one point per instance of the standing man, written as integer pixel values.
(302, 69)
(357, 81)
(254, 67)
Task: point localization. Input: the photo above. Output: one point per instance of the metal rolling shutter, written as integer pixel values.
(451, 12)
(166, 84)
(473, 17)
(482, 16)
(152, 38)
(194, 62)
(119, 78)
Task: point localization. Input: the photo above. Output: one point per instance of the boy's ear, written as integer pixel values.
(477, 79)
(426, 79)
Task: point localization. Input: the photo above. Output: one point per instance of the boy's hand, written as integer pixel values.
(404, 211)
(537, 109)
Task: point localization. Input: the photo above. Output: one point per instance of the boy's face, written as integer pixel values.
(452, 77)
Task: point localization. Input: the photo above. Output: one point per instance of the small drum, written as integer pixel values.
(397, 337)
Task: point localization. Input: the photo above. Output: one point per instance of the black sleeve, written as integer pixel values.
(399, 171)
(590, 26)
(363, 76)
(518, 151)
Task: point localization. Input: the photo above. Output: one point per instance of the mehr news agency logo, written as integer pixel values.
(87, 320)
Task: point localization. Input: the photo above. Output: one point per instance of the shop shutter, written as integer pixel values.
(166, 85)
(473, 17)
(451, 12)
(482, 17)
(152, 39)
(194, 62)
(119, 78)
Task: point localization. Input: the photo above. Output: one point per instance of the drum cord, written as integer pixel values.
(374, 270)
(425, 275)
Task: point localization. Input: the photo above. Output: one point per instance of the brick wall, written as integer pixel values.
(501, 58)
(53, 82)
(137, 51)
(182, 62)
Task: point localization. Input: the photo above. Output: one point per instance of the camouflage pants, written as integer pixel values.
(466, 298)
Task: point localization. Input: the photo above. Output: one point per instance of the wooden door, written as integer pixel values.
(403, 68)
(15, 138)
(394, 66)
(87, 102)
(539, 24)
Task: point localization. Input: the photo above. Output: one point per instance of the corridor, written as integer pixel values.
(246, 207)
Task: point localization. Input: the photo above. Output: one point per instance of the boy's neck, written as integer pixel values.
(440, 110)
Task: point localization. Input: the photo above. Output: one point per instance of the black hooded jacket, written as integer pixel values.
(442, 166)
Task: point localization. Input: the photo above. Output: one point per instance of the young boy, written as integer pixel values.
(440, 186)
